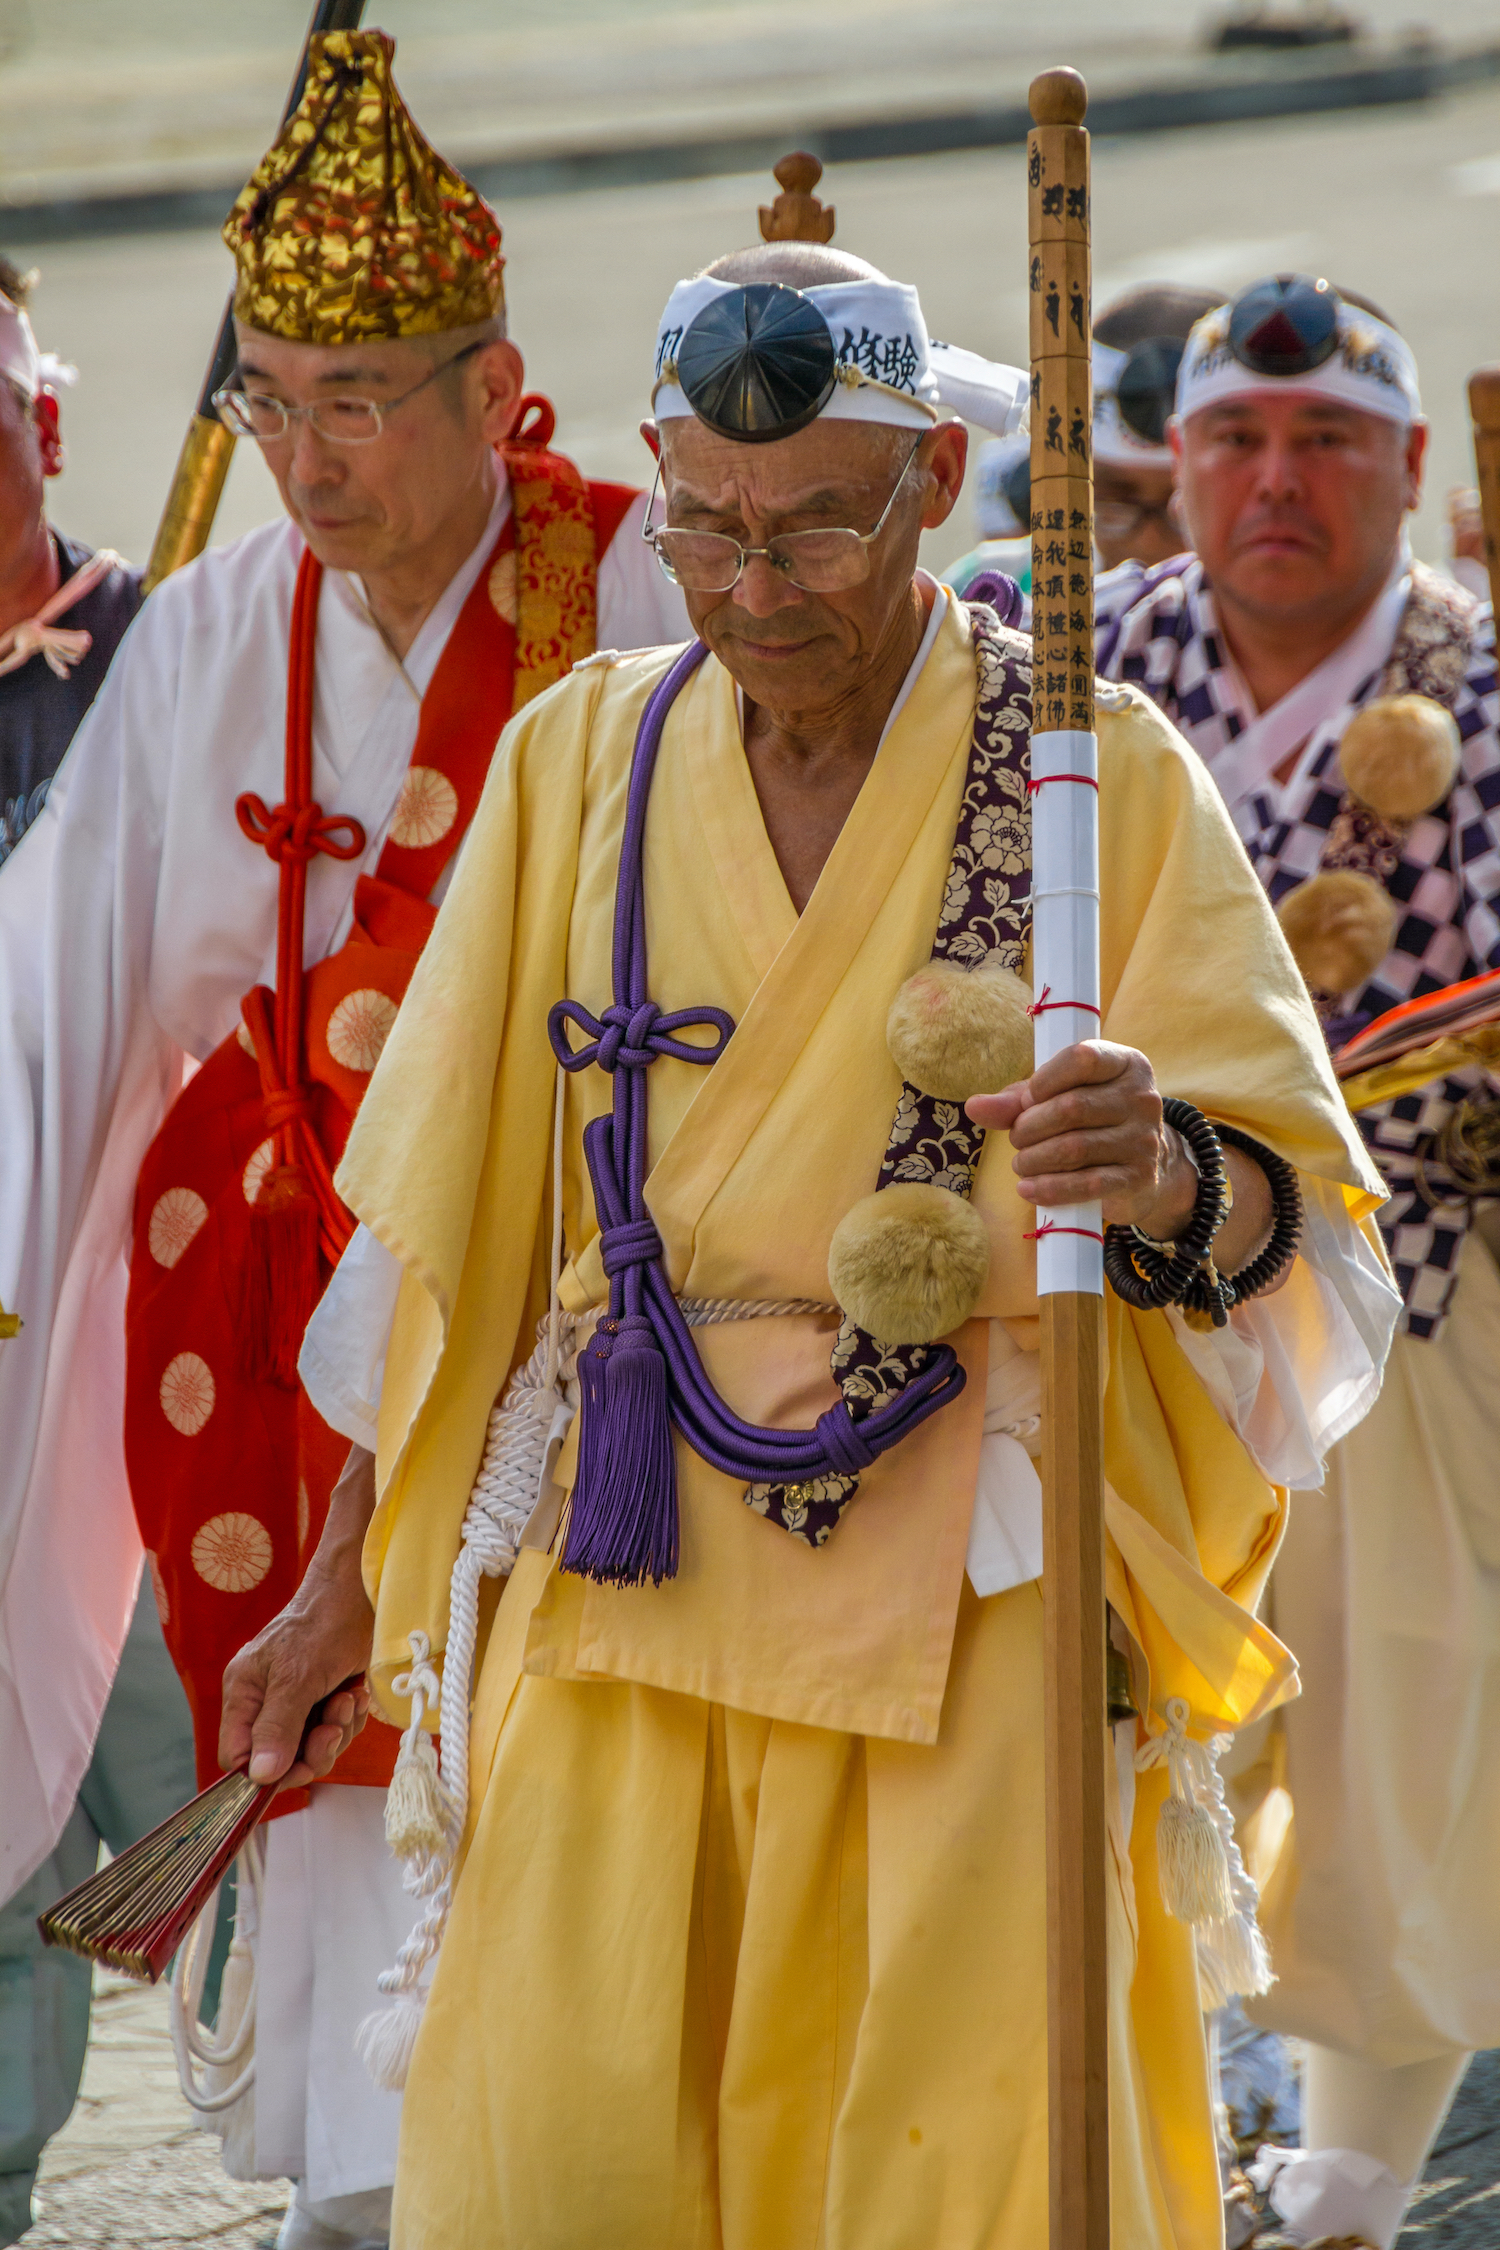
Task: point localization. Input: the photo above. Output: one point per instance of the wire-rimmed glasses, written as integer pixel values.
(818, 562)
(343, 421)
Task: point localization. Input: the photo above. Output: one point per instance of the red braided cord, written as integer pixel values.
(294, 833)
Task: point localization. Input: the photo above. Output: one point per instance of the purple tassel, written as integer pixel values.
(622, 1526)
(592, 1363)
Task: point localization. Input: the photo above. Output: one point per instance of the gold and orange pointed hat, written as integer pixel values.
(352, 225)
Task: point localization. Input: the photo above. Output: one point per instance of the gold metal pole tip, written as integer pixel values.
(1058, 97)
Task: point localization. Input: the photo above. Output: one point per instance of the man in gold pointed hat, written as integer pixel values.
(238, 867)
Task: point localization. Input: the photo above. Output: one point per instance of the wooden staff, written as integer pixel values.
(203, 464)
(1070, 1277)
(1484, 406)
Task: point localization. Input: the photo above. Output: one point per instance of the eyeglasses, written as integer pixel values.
(343, 421)
(819, 562)
(1122, 519)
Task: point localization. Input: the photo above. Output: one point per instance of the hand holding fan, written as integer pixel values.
(135, 1912)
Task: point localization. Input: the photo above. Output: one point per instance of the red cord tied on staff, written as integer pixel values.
(297, 1221)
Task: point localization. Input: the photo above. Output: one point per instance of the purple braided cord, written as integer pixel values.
(999, 593)
(625, 1041)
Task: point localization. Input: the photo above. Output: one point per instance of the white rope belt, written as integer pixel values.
(525, 1431)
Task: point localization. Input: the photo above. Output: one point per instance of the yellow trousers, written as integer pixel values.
(719, 1982)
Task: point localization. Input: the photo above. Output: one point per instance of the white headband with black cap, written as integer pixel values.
(1289, 335)
(1118, 444)
(761, 360)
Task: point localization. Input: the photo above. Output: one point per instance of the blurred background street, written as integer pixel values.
(625, 143)
(1400, 200)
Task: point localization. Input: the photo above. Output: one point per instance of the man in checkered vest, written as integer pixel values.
(1299, 443)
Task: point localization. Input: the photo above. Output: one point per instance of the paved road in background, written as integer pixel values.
(1403, 204)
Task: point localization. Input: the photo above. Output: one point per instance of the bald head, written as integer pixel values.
(798, 265)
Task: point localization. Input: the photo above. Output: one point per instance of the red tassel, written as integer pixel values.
(281, 1279)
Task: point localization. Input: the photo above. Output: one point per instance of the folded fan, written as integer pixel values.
(135, 1912)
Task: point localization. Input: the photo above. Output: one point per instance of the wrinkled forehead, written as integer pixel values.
(816, 468)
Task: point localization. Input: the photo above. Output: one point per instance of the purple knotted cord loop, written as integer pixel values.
(636, 1244)
(625, 1038)
(642, 1375)
(846, 1449)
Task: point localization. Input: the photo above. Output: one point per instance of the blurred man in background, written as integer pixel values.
(1299, 446)
(62, 612)
(62, 607)
(1002, 513)
(238, 865)
(1138, 343)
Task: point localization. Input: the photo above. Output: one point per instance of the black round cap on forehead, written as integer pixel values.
(1146, 392)
(758, 363)
(1285, 326)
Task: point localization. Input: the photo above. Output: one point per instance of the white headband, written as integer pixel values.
(20, 361)
(1372, 369)
(890, 370)
(1115, 442)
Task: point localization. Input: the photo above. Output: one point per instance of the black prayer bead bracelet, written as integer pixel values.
(1150, 1275)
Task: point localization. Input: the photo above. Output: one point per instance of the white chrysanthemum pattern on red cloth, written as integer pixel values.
(232, 1553)
(175, 1219)
(187, 1393)
(359, 1028)
(425, 810)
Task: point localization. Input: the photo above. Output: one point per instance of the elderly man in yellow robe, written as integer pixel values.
(734, 1875)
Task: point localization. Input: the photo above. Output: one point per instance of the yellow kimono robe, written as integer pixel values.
(748, 1946)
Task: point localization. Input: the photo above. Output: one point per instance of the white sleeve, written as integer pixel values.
(639, 607)
(343, 1353)
(1005, 1530)
(86, 1074)
(1294, 1372)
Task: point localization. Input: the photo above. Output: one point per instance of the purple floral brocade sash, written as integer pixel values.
(641, 1375)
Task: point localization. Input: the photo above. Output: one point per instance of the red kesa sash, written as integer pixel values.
(237, 1224)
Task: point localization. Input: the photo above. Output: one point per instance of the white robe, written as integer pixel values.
(133, 917)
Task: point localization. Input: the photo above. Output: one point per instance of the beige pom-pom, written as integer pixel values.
(1340, 927)
(955, 1032)
(908, 1264)
(1400, 755)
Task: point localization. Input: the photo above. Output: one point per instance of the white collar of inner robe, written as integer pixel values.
(1298, 719)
